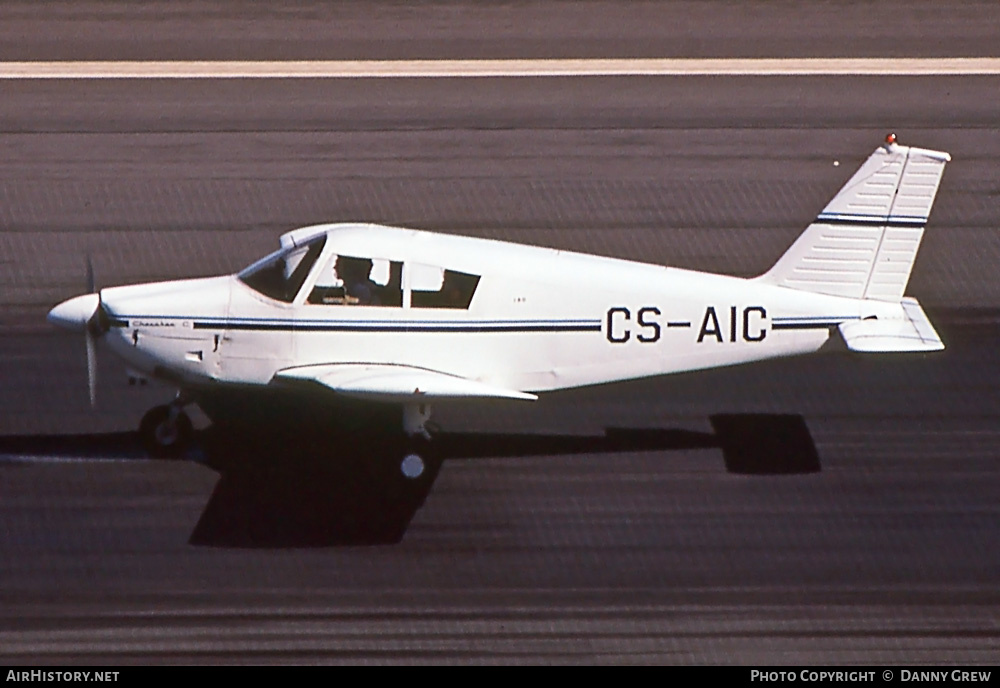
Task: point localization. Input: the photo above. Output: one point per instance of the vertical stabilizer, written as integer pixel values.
(863, 244)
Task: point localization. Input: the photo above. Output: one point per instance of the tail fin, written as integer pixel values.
(863, 244)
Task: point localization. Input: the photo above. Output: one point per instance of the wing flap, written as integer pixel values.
(914, 333)
(383, 382)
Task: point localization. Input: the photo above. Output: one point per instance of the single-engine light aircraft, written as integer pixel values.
(409, 318)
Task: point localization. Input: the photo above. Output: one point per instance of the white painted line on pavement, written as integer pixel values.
(373, 69)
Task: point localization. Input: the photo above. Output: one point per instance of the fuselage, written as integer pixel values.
(513, 316)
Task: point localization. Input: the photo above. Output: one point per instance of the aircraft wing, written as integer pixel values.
(384, 382)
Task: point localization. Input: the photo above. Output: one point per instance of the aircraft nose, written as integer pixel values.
(75, 313)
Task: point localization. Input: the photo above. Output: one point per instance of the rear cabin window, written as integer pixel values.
(437, 288)
(358, 281)
(281, 274)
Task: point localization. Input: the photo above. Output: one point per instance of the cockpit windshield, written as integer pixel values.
(281, 274)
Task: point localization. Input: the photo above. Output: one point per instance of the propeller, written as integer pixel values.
(92, 333)
(92, 367)
(91, 285)
(85, 313)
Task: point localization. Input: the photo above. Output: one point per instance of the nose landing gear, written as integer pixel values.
(166, 431)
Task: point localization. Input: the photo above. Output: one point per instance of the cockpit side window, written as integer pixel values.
(355, 281)
(281, 274)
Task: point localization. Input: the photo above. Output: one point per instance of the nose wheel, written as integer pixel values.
(165, 431)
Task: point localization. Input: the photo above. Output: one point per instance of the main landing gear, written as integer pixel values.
(415, 420)
(166, 431)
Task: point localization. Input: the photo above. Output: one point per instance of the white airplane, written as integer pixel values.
(407, 318)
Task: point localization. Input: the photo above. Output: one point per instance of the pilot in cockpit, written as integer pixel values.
(358, 286)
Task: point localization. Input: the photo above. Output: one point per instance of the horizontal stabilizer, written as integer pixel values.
(914, 333)
(383, 382)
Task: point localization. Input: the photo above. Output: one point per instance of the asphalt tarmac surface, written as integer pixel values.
(579, 553)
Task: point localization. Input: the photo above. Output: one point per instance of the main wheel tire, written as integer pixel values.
(412, 466)
(163, 436)
(416, 469)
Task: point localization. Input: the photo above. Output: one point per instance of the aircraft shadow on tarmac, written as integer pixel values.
(323, 490)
